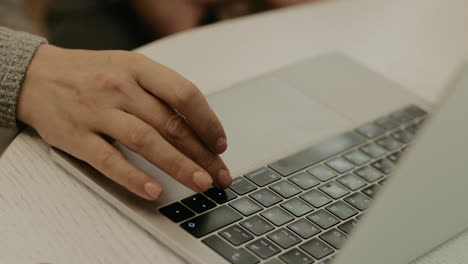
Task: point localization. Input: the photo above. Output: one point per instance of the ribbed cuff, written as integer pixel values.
(16, 52)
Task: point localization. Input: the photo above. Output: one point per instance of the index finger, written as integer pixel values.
(183, 96)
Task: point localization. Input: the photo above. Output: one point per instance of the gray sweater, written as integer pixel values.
(16, 52)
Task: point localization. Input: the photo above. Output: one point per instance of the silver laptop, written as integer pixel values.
(311, 147)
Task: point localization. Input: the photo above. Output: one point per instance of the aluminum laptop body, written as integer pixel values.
(290, 111)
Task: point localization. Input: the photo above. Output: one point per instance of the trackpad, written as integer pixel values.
(267, 118)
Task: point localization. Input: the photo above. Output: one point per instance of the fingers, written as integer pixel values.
(146, 141)
(109, 161)
(176, 131)
(183, 96)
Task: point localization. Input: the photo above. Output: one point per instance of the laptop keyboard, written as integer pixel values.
(302, 208)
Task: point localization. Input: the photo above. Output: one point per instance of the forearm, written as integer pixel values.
(16, 52)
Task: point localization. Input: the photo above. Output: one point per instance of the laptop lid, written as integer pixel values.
(423, 204)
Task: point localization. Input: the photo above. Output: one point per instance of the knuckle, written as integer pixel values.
(110, 81)
(178, 165)
(136, 57)
(175, 126)
(141, 136)
(131, 179)
(187, 92)
(107, 160)
(209, 161)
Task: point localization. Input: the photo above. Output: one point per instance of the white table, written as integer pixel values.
(49, 217)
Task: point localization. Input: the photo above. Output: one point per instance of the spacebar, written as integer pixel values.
(317, 153)
(211, 221)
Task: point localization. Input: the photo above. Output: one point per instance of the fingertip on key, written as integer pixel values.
(202, 181)
(224, 178)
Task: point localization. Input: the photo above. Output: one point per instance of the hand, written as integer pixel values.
(75, 99)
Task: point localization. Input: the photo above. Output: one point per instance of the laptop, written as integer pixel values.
(313, 149)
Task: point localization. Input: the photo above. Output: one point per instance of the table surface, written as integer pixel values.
(49, 217)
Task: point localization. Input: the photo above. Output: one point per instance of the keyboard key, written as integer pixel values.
(382, 182)
(402, 116)
(316, 198)
(220, 196)
(369, 174)
(266, 197)
(246, 206)
(334, 190)
(403, 136)
(198, 203)
(371, 190)
(285, 188)
(304, 228)
(295, 256)
(317, 153)
(263, 248)
(211, 221)
(323, 219)
(359, 201)
(384, 165)
(284, 238)
(342, 210)
(370, 130)
(304, 180)
(326, 261)
(389, 143)
(415, 111)
(242, 186)
(359, 217)
(373, 150)
(277, 216)
(317, 248)
(395, 156)
(262, 176)
(351, 181)
(236, 235)
(176, 212)
(334, 237)
(387, 123)
(234, 256)
(340, 165)
(274, 261)
(349, 226)
(297, 207)
(322, 173)
(257, 225)
(357, 157)
(412, 128)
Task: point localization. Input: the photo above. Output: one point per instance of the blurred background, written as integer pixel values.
(121, 24)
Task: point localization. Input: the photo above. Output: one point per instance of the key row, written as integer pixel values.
(264, 249)
(390, 122)
(278, 215)
(199, 203)
(271, 245)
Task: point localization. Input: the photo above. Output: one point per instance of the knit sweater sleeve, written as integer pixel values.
(16, 51)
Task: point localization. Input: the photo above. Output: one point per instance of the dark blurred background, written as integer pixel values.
(121, 24)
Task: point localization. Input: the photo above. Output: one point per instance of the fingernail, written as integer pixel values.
(202, 180)
(152, 189)
(221, 145)
(224, 177)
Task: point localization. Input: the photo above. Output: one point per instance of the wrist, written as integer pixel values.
(35, 81)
